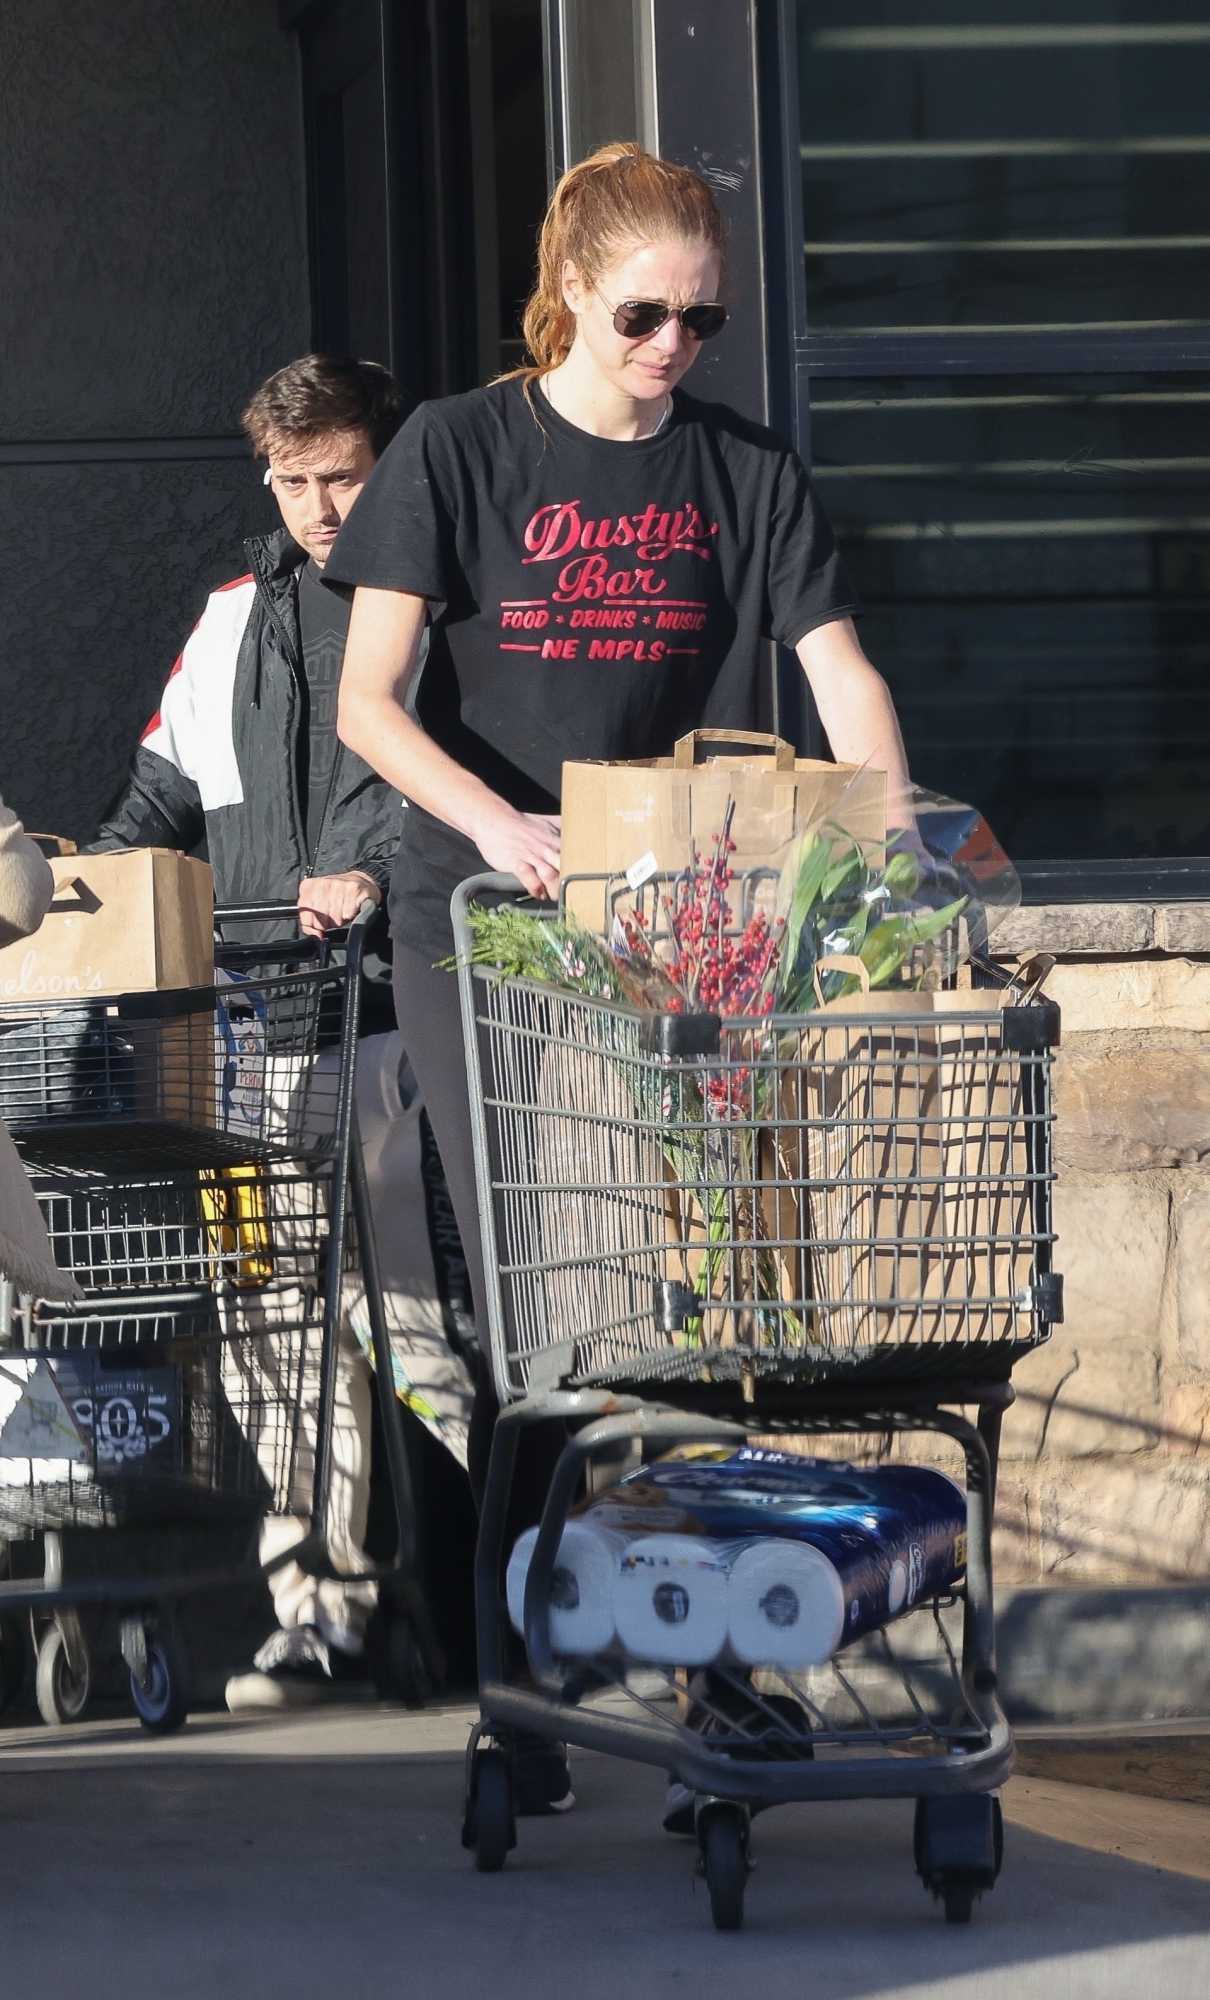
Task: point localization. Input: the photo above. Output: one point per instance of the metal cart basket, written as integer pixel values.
(198, 1166)
(695, 1230)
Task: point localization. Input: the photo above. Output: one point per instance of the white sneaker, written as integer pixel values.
(294, 1669)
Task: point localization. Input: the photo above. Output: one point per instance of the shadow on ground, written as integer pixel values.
(321, 1857)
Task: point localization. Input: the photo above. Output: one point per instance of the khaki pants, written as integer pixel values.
(274, 1357)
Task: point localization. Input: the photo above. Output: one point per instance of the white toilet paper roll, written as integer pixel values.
(670, 1600)
(785, 1605)
(582, 1589)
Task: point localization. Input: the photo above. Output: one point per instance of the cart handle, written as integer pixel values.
(235, 912)
(469, 892)
(296, 949)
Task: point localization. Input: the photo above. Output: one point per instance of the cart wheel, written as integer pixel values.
(723, 1834)
(490, 1825)
(958, 1893)
(958, 1845)
(62, 1694)
(161, 1696)
(12, 1661)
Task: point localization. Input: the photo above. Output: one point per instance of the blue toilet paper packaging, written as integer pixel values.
(817, 1553)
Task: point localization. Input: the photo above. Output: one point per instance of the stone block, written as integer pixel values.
(1072, 1402)
(1099, 930)
(1183, 927)
(1141, 1520)
(1192, 1219)
(1014, 1543)
(1133, 1106)
(1155, 993)
(1113, 1253)
(1087, 1655)
(1186, 1416)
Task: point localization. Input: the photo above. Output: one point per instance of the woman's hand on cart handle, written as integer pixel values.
(522, 844)
(332, 902)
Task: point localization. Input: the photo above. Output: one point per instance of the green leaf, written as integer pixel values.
(812, 867)
(885, 949)
(932, 923)
(902, 875)
(891, 943)
(849, 871)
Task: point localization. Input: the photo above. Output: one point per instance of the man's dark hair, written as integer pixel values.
(324, 392)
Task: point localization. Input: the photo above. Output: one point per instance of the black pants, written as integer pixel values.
(430, 1022)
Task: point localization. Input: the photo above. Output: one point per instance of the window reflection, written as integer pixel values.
(1035, 560)
(988, 172)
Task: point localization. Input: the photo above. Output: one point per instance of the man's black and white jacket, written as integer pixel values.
(220, 756)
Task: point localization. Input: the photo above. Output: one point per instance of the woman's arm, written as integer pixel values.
(383, 647)
(856, 709)
(26, 883)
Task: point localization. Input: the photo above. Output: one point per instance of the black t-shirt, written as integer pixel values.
(323, 622)
(591, 598)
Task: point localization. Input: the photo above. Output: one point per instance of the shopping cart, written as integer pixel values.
(699, 1231)
(197, 1161)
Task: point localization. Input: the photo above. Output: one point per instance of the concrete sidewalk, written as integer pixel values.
(320, 1856)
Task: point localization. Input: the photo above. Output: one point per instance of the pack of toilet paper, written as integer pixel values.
(757, 1556)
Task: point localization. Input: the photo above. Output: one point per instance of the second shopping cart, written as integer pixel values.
(198, 1164)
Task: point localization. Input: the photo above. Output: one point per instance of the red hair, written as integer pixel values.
(619, 196)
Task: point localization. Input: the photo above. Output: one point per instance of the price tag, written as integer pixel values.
(642, 870)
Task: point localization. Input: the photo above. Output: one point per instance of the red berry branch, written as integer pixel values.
(715, 967)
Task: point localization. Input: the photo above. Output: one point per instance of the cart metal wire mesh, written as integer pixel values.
(862, 1194)
(183, 1148)
(897, 1692)
(211, 1075)
(185, 1381)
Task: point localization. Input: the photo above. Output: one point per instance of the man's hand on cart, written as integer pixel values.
(329, 902)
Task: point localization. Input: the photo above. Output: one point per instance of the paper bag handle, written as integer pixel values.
(72, 892)
(839, 961)
(684, 756)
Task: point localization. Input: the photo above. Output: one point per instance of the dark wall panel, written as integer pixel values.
(152, 229)
(106, 572)
(153, 245)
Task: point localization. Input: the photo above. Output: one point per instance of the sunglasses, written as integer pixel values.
(638, 319)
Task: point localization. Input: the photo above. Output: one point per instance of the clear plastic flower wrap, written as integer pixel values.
(903, 914)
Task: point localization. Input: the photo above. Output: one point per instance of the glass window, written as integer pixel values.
(1034, 556)
(981, 171)
(986, 202)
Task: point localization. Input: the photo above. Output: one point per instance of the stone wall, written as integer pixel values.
(1106, 1457)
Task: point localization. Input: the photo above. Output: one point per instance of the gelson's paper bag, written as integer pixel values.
(647, 816)
(79, 1044)
(137, 922)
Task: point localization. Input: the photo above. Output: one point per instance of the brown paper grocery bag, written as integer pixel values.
(135, 922)
(120, 925)
(853, 1167)
(616, 1206)
(650, 814)
(898, 1174)
(986, 1247)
